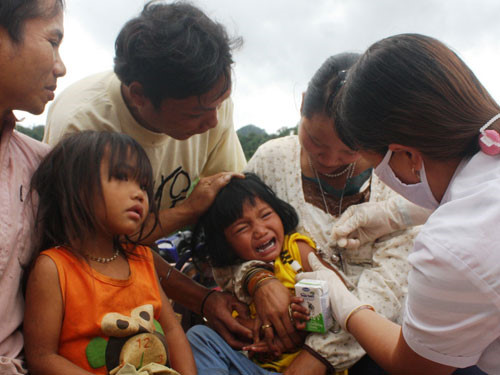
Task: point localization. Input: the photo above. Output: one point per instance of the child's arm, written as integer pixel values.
(305, 250)
(298, 313)
(42, 322)
(180, 354)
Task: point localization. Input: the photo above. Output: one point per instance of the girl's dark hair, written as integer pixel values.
(411, 89)
(68, 184)
(227, 208)
(325, 84)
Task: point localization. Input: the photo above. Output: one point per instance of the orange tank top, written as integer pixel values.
(107, 321)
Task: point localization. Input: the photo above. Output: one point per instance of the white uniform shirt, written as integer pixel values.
(453, 307)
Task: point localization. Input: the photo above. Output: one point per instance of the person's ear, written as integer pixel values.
(302, 102)
(136, 94)
(414, 156)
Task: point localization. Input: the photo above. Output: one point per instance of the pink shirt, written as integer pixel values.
(19, 157)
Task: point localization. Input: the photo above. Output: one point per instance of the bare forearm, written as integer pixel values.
(188, 212)
(180, 354)
(52, 364)
(178, 286)
(217, 307)
(308, 364)
(168, 221)
(384, 342)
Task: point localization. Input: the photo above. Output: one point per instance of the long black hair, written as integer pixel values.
(227, 208)
(413, 90)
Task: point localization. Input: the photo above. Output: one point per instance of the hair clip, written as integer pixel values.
(489, 141)
(342, 76)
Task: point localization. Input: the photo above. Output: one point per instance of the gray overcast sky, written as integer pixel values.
(285, 41)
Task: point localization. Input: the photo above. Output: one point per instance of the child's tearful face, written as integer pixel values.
(258, 234)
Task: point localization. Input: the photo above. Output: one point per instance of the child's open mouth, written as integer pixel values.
(266, 246)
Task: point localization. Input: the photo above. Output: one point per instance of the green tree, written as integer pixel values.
(251, 137)
(35, 132)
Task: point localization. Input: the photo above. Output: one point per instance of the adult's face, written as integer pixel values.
(183, 118)
(322, 145)
(30, 68)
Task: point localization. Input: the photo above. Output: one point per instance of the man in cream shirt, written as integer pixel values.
(169, 91)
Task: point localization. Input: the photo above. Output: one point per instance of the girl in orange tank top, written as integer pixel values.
(93, 301)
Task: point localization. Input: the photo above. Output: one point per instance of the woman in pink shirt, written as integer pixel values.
(30, 34)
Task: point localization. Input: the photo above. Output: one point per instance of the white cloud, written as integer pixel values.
(287, 40)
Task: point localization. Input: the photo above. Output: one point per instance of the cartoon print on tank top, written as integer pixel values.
(137, 339)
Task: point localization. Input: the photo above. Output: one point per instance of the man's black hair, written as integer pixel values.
(174, 51)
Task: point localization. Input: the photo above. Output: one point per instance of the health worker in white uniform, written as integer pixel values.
(413, 108)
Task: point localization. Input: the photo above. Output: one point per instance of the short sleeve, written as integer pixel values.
(448, 319)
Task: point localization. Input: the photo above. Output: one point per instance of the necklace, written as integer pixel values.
(333, 175)
(351, 168)
(104, 260)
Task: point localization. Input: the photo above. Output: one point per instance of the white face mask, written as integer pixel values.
(419, 193)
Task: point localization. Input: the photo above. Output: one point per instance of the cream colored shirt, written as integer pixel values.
(377, 271)
(96, 103)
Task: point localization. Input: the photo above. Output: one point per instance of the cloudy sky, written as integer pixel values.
(285, 41)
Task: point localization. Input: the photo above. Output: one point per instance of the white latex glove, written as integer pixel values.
(342, 302)
(369, 221)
